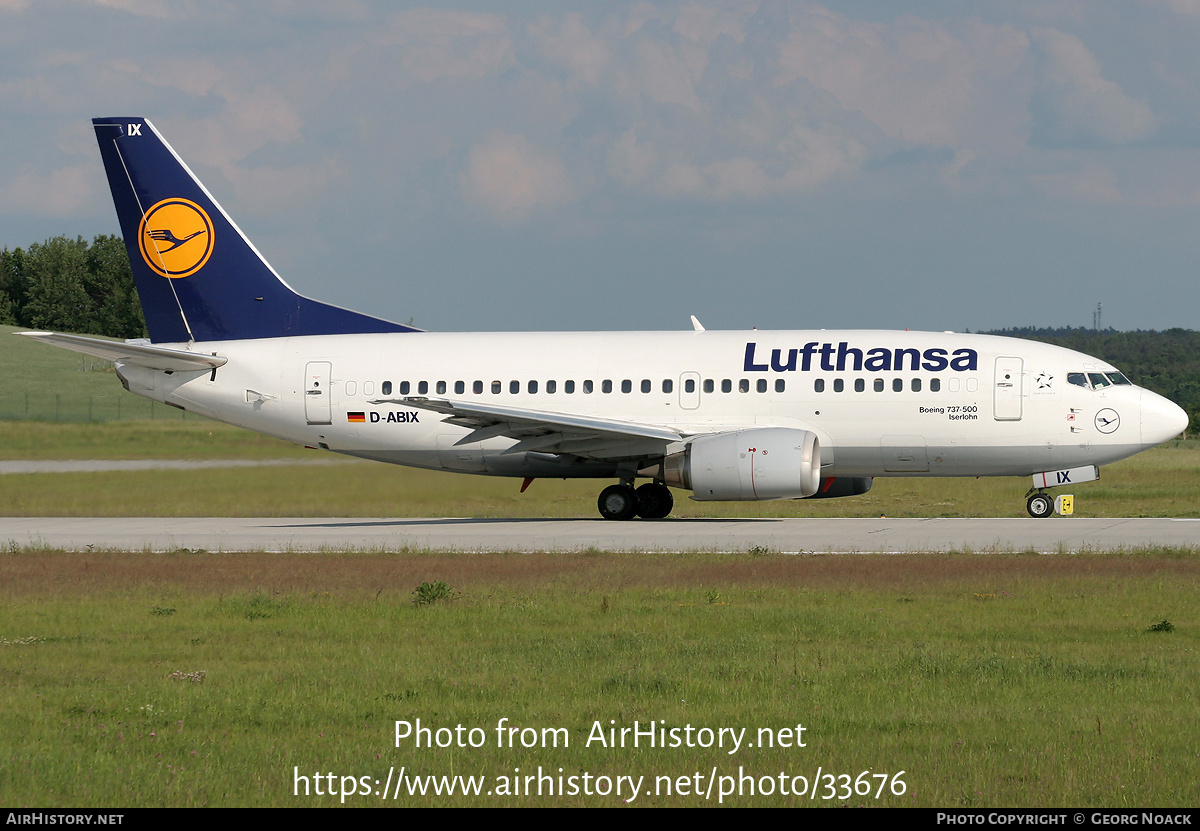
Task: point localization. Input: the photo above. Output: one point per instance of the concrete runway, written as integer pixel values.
(1051, 535)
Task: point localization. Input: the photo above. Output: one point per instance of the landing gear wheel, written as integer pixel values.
(617, 502)
(654, 501)
(1040, 505)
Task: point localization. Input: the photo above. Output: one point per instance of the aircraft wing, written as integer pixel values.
(548, 432)
(138, 354)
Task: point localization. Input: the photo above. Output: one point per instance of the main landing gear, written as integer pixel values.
(650, 501)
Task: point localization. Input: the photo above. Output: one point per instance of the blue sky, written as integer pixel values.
(528, 165)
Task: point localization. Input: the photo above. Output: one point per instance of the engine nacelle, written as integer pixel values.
(746, 465)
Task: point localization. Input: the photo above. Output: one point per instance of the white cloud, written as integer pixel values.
(914, 79)
(143, 8)
(252, 118)
(510, 178)
(630, 160)
(1075, 104)
(572, 45)
(663, 76)
(62, 192)
(704, 23)
(798, 161)
(193, 76)
(282, 191)
(448, 44)
(1190, 8)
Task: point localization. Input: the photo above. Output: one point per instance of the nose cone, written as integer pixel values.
(1161, 419)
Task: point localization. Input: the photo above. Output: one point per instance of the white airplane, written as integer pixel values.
(728, 415)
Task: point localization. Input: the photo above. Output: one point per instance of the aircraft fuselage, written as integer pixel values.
(881, 403)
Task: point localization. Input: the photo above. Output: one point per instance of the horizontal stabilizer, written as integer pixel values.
(152, 357)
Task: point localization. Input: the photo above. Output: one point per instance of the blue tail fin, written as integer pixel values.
(197, 275)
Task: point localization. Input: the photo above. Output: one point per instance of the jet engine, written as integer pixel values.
(746, 465)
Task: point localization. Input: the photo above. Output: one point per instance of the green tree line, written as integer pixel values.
(1167, 363)
(69, 285)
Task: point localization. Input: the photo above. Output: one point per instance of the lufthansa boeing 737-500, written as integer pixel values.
(727, 415)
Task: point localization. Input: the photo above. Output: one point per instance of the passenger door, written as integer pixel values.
(1006, 398)
(317, 404)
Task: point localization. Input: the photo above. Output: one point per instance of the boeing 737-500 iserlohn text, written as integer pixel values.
(727, 415)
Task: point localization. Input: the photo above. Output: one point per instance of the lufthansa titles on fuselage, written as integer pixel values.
(839, 357)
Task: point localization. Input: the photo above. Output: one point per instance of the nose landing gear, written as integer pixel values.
(1040, 504)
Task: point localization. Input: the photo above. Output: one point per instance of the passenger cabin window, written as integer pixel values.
(689, 385)
(351, 388)
(726, 385)
(606, 386)
(668, 386)
(477, 387)
(551, 387)
(897, 385)
(441, 387)
(404, 387)
(496, 387)
(819, 385)
(533, 387)
(916, 384)
(838, 385)
(627, 386)
(708, 385)
(423, 387)
(587, 387)
(744, 385)
(460, 387)
(779, 385)
(645, 385)
(878, 385)
(386, 389)
(859, 385)
(935, 384)
(762, 385)
(514, 387)
(568, 387)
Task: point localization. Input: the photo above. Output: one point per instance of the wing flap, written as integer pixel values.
(547, 432)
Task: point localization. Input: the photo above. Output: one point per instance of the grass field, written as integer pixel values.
(45, 383)
(192, 679)
(990, 681)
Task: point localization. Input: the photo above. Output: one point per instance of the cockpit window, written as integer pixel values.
(1097, 380)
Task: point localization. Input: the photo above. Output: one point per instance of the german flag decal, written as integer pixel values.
(357, 418)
